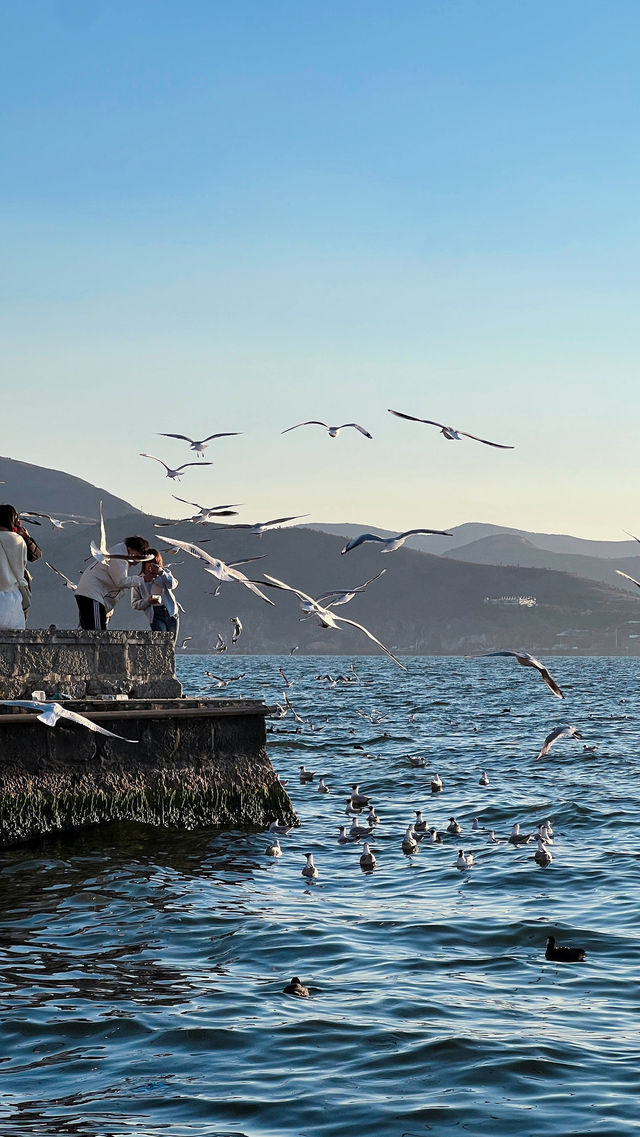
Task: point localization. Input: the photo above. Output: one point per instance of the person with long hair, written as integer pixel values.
(13, 566)
(152, 594)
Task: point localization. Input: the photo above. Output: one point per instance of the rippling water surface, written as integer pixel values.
(142, 971)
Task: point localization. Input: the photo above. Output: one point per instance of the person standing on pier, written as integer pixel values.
(103, 582)
(14, 590)
(152, 594)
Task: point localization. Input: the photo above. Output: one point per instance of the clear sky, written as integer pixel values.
(235, 216)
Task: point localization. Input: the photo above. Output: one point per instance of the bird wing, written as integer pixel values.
(435, 532)
(51, 712)
(226, 434)
(182, 437)
(627, 577)
(550, 739)
(309, 422)
(412, 418)
(246, 560)
(343, 620)
(358, 427)
(234, 574)
(68, 583)
(499, 445)
(551, 683)
(155, 459)
(280, 520)
(275, 583)
(184, 467)
(62, 712)
(185, 502)
(188, 547)
(355, 541)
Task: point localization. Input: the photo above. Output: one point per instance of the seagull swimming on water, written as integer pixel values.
(177, 473)
(200, 445)
(449, 431)
(327, 619)
(390, 544)
(559, 732)
(527, 660)
(50, 712)
(334, 431)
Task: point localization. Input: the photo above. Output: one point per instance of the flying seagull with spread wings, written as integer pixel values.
(177, 473)
(336, 598)
(559, 732)
(326, 618)
(333, 431)
(206, 513)
(200, 445)
(449, 431)
(527, 660)
(72, 519)
(261, 527)
(390, 544)
(218, 568)
(50, 712)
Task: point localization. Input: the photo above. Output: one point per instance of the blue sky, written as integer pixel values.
(225, 217)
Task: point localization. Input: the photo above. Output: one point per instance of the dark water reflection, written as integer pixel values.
(141, 972)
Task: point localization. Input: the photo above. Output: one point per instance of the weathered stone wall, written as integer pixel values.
(77, 663)
(193, 763)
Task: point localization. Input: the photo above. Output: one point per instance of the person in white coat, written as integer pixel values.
(103, 582)
(13, 564)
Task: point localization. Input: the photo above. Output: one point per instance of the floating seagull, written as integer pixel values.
(390, 544)
(559, 732)
(280, 828)
(201, 445)
(343, 837)
(50, 712)
(454, 826)
(409, 843)
(518, 838)
(295, 987)
(544, 833)
(527, 660)
(309, 869)
(218, 568)
(542, 856)
(436, 784)
(433, 836)
(484, 779)
(352, 810)
(334, 431)
(367, 860)
(372, 817)
(67, 583)
(357, 832)
(237, 629)
(177, 473)
(72, 519)
(465, 860)
(274, 850)
(416, 760)
(356, 797)
(560, 954)
(306, 775)
(322, 787)
(420, 824)
(326, 618)
(449, 432)
(261, 527)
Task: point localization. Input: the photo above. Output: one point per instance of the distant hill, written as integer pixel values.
(504, 549)
(424, 603)
(51, 491)
(472, 531)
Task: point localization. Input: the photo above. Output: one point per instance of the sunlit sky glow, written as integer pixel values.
(233, 217)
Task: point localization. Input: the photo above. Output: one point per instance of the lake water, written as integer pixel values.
(141, 971)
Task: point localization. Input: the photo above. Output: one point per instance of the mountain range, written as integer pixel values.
(486, 588)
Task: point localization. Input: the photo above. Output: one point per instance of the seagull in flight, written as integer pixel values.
(200, 445)
(101, 554)
(174, 473)
(220, 682)
(261, 527)
(31, 515)
(50, 712)
(559, 732)
(325, 617)
(334, 431)
(449, 431)
(218, 568)
(237, 629)
(344, 597)
(627, 577)
(390, 544)
(527, 660)
(205, 513)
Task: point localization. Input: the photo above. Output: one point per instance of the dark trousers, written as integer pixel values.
(93, 614)
(163, 622)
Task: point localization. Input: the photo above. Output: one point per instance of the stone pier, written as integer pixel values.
(185, 763)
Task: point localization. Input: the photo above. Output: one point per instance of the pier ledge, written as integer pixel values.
(191, 763)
